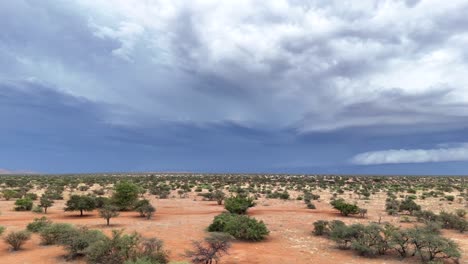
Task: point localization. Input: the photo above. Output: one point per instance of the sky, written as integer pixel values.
(285, 86)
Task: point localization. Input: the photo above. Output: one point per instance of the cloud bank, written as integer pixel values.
(392, 156)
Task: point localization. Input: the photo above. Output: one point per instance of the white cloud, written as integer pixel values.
(392, 156)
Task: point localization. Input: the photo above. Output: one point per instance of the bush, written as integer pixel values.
(125, 195)
(50, 234)
(145, 208)
(38, 224)
(77, 241)
(17, 239)
(345, 208)
(238, 204)
(460, 213)
(115, 250)
(31, 196)
(8, 194)
(24, 204)
(239, 226)
(36, 209)
(409, 205)
(321, 228)
(310, 205)
(217, 244)
(450, 198)
(219, 196)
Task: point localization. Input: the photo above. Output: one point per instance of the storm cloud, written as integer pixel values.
(360, 72)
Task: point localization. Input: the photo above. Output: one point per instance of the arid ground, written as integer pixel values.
(178, 221)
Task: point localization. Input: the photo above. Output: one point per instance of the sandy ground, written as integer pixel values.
(179, 221)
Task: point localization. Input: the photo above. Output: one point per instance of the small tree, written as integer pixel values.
(125, 195)
(219, 195)
(45, 202)
(17, 239)
(108, 211)
(217, 244)
(80, 203)
(8, 194)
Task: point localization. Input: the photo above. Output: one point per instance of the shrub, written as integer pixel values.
(114, 250)
(8, 194)
(23, 204)
(217, 244)
(31, 196)
(450, 198)
(311, 205)
(153, 249)
(219, 196)
(239, 226)
(321, 228)
(145, 208)
(392, 206)
(460, 213)
(345, 208)
(409, 205)
(238, 204)
(17, 239)
(77, 241)
(368, 240)
(38, 224)
(125, 195)
(36, 209)
(51, 233)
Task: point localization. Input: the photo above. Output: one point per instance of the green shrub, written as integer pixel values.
(31, 196)
(409, 205)
(239, 226)
(125, 195)
(38, 224)
(23, 204)
(345, 208)
(238, 204)
(51, 233)
(77, 241)
(321, 228)
(450, 198)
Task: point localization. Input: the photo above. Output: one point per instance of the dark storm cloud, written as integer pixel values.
(258, 75)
